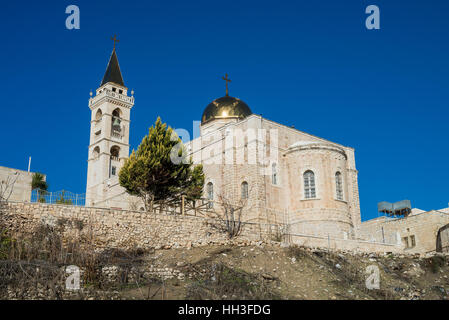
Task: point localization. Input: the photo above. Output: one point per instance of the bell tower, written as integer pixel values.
(109, 138)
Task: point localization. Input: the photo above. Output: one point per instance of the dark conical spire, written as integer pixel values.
(113, 73)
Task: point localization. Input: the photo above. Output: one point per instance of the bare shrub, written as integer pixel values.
(229, 283)
(229, 219)
(7, 187)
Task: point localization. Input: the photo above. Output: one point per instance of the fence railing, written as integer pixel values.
(184, 207)
(58, 197)
(331, 243)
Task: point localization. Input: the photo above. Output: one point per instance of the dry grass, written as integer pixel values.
(224, 282)
(34, 265)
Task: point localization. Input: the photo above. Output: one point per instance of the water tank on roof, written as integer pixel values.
(400, 208)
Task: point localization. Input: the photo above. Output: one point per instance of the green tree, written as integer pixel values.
(63, 200)
(38, 182)
(160, 169)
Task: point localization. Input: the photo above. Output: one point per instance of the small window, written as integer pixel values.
(309, 185)
(244, 190)
(412, 241)
(98, 115)
(120, 91)
(210, 195)
(96, 152)
(113, 171)
(405, 240)
(339, 186)
(113, 89)
(274, 174)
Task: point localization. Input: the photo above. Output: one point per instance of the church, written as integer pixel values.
(282, 174)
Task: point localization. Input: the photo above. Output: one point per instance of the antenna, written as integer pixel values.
(29, 164)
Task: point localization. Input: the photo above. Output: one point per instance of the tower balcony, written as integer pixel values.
(107, 93)
(117, 135)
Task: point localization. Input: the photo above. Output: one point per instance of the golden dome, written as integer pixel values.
(225, 108)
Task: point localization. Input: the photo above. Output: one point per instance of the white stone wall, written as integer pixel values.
(22, 186)
(423, 226)
(283, 202)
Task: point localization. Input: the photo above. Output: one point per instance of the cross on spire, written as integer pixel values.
(115, 40)
(225, 78)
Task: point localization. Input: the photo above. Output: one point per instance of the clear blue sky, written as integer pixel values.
(311, 64)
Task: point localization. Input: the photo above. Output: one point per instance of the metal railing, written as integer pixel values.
(58, 197)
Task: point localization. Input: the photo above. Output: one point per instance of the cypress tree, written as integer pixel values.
(152, 174)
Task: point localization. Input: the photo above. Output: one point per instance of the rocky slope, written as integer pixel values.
(253, 271)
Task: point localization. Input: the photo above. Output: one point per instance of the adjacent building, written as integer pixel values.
(16, 184)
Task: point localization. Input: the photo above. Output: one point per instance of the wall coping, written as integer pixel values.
(37, 204)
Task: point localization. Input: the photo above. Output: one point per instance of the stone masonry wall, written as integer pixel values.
(422, 226)
(127, 229)
(135, 229)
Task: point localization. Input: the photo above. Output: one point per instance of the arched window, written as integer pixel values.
(96, 152)
(115, 153)
(274, 174)
(210, 194)
(309, 185)
(98, 115)
(116, 122)
(244, 190)
(117, 113)
(339, 186)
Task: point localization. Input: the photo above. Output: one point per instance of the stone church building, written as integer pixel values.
(277, 173)
(282, 174)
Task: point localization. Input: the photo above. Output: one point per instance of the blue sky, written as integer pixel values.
(311, 64)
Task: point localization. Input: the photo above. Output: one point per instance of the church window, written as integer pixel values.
(98, 115)
(120, 91)
(115, 152)
(116, 113)
(339, 186)
(274, 174)
(309, 185)
(210, 195)
(96, 152)
(116, 123)
(113, 89)
(244, 190)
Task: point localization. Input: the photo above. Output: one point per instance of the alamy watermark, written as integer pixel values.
(373, 20)
(373, 279)
(73, 20)
(73, 280)
(230, 147)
